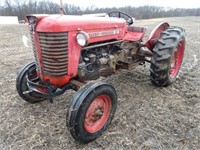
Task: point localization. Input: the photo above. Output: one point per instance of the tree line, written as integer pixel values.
(21, 8)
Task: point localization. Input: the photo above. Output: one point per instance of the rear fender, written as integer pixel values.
(155, 34)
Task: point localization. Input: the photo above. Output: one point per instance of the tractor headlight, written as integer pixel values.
(82, 38)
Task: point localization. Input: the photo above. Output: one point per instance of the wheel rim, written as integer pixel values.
(97, 113)
(176, 59)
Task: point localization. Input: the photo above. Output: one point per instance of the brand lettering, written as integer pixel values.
(104, 33)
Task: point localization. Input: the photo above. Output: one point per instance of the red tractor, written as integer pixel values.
(70, 50)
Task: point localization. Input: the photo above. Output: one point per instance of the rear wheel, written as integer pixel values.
(28, 71)
(167, 56)
(91, 111)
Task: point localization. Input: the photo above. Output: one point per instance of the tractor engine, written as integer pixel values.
(104, 61)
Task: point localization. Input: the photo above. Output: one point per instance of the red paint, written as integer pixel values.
(72, 25)
(92, 26)
(56, 81)
(41, 90)
(81, 23)
(74, 51)
(177, 58)
(97, 114)
(155, 34)
(60, 23)
(132, 34)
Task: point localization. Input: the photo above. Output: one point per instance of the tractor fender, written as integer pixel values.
(155, 34)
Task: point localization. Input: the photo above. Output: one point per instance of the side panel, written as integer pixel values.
(74, 51)
(155, 34)
(134, 33)
(100, 35)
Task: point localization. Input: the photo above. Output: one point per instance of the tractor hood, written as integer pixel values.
(61, 23)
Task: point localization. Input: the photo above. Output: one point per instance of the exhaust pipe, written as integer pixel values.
(62, 11)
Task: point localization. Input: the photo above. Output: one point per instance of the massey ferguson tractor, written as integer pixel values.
(71, 50)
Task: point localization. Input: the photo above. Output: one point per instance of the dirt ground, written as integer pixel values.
(147, 117)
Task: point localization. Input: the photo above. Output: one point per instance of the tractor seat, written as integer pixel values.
(136, 29)
(134, 33)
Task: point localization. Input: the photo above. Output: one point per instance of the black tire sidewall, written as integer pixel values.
(80, 133)
(161, 62)
(21, 85)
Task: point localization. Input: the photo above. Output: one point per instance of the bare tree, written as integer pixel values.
(8, 6)
(19, 3)
(23, 7)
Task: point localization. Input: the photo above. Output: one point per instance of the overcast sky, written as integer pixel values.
(135, 3)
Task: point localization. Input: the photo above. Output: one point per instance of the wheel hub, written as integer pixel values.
(176, 59)
(97, 113)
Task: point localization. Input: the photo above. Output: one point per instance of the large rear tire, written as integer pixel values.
(167, 56)
(28, 71)
(91, 111)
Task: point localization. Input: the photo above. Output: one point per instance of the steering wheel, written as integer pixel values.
(120, 14)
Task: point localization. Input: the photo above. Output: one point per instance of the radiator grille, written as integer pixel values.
(54, 48)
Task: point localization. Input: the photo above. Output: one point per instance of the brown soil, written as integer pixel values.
(147, 117)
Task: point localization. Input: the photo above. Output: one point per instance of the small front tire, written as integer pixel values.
(91, 111)
(28, 71)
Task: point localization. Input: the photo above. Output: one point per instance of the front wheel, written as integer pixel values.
(27, 72)
(167, 56)
(91, 111)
